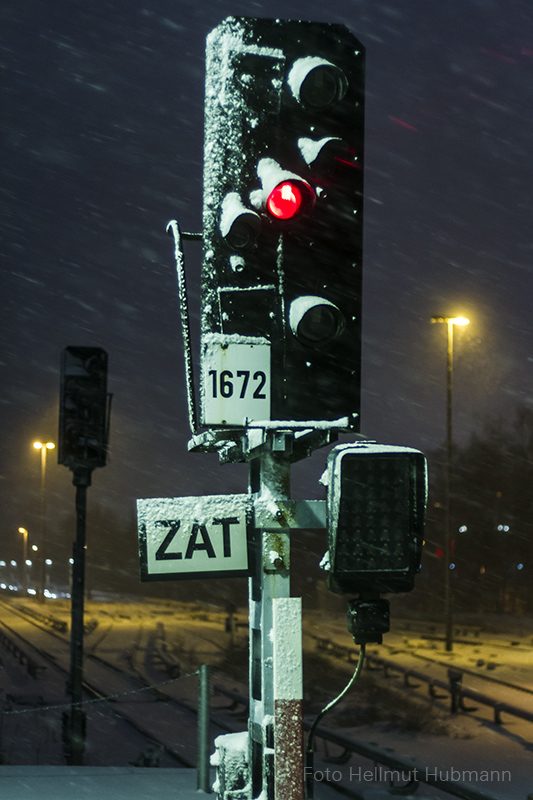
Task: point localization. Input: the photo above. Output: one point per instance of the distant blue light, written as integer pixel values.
(520, 566)
(452, 566)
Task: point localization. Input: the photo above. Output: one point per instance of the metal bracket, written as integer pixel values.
(280, 515)
(297, 439)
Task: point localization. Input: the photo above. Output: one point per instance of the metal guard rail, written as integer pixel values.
(46, 619)
(454, 788)
(21, 655)
(453, 686)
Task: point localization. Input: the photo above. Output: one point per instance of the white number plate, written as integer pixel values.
(235, 382)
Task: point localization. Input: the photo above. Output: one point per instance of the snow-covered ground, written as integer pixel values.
(466, 744)
(496, 759)
(97, 783)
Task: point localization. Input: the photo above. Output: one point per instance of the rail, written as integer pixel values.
(419, 773)
(51, 622)
(20, 654)
(458, 693)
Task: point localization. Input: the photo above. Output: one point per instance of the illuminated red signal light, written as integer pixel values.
(285, 200)
(289, 198)
(284, 195)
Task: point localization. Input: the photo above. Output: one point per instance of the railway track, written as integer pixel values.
(166, 724)
(146, 699)
(507, 698)
(166, 661)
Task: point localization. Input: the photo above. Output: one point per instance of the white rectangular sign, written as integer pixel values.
(235, 380)
(194, 537)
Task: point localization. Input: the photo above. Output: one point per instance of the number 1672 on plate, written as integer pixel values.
(235, 380)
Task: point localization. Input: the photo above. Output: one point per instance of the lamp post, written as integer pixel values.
(448, 600)
(24, 533)
(43, 447)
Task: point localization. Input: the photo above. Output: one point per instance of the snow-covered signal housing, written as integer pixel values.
(376, 502)
(283, 217)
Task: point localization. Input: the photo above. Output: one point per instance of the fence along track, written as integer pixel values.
(453, 686)
(24, 646)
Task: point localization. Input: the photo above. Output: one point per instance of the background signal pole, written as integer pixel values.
(83, 439)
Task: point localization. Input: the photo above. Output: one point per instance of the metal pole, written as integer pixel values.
(43, 525)
(24, 533)
(202, 767)
(448, 599)
(269, 480)
(76, 732)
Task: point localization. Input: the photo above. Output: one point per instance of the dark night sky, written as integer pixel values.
(102, 144)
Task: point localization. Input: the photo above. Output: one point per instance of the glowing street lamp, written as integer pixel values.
(450, 322)
(40, 445)
(43, 447)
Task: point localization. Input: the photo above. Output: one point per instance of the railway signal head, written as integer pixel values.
(376, 500)
(83, 408)
(283, 216)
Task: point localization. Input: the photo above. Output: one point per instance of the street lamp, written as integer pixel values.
(450, 321)
(24, 533)
(43, 447)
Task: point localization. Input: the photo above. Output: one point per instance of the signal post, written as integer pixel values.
(83, 437)
(269, 582)
(280, 357)
(281, 306)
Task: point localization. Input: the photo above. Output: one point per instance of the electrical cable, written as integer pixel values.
(309, 755)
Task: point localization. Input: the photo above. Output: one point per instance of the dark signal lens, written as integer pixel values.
(317, 83)
(315, 321)
(323, 87)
